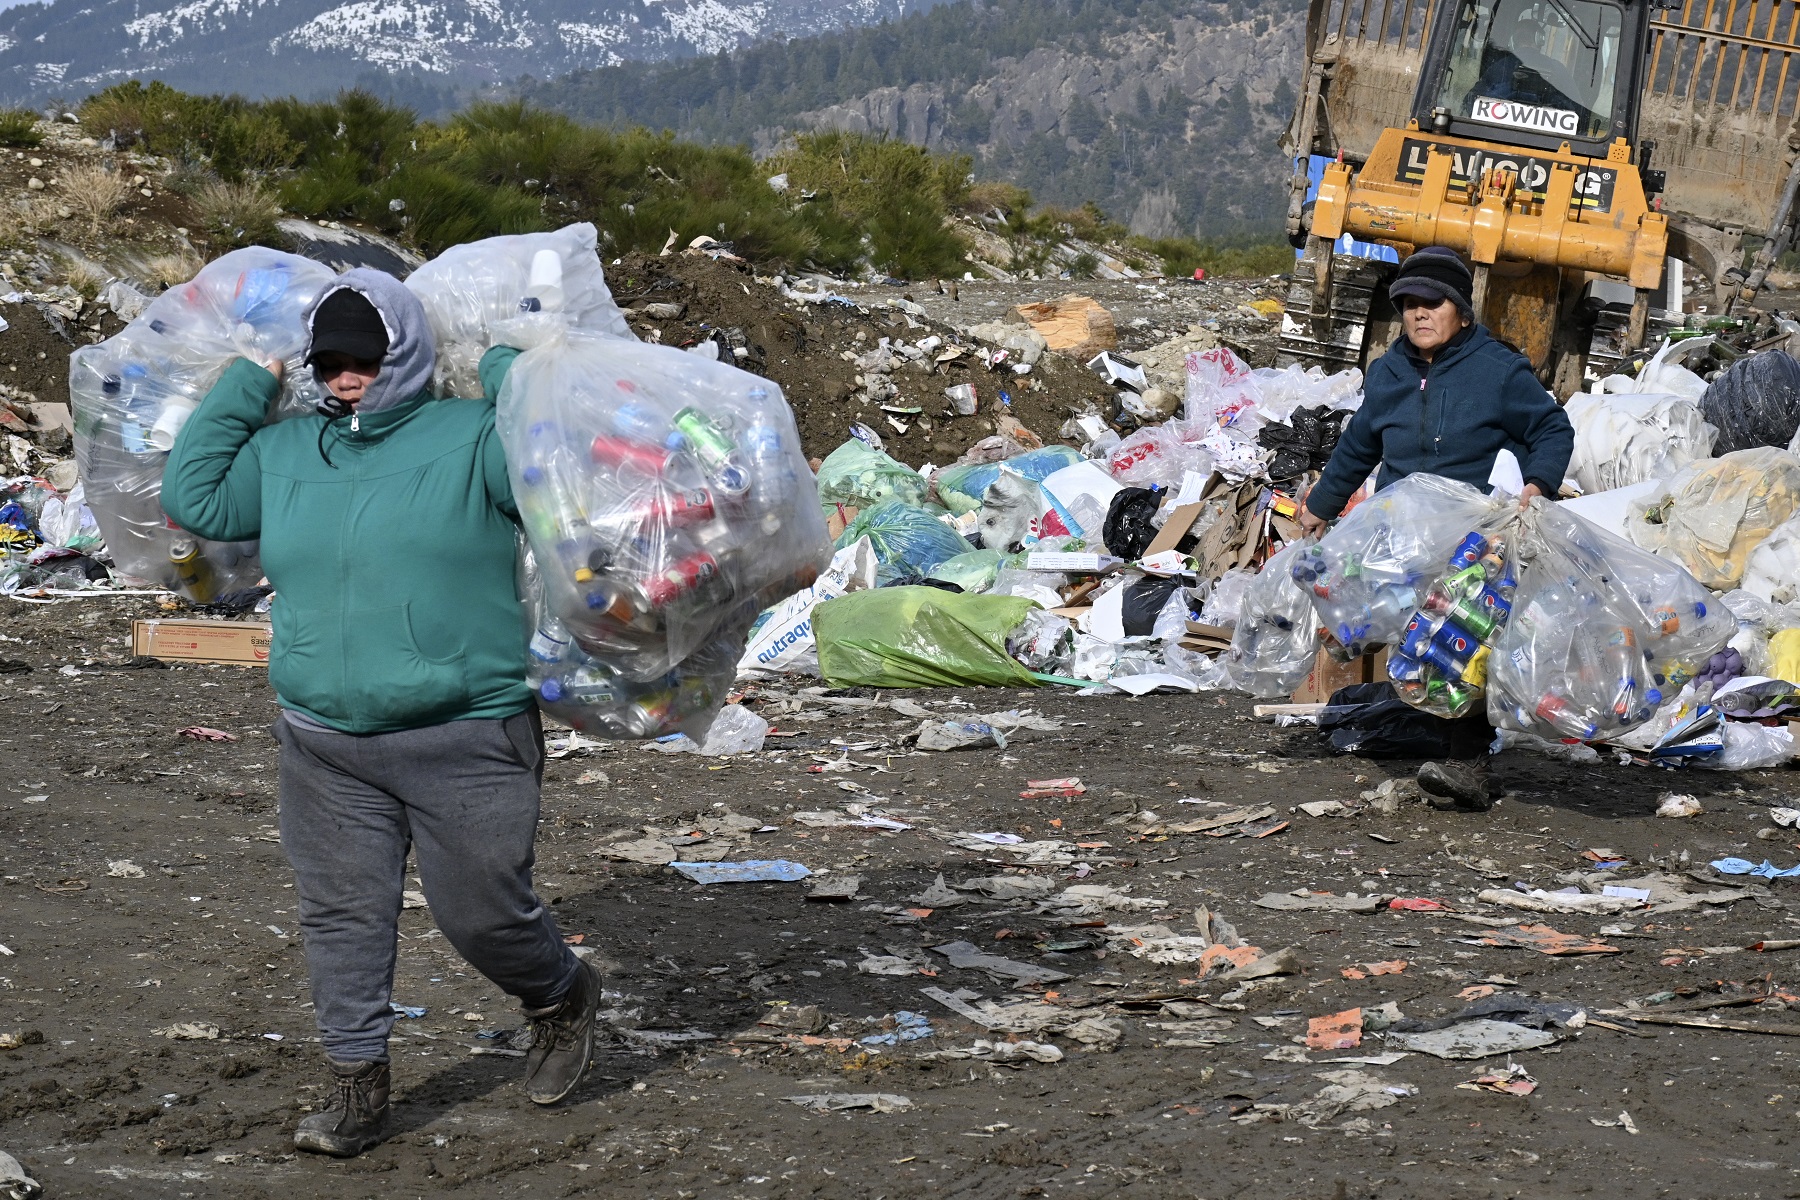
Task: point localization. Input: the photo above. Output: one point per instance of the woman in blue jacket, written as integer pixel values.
(1445, 398)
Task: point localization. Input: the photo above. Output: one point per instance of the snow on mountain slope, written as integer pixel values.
(68, 48)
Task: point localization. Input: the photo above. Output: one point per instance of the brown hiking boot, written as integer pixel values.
(1465, 785)
(357, 1118)
(562, 1040)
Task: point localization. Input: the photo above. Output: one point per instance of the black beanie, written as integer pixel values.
(1436, 273)
(346, 323)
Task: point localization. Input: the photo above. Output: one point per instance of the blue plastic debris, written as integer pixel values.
(761, 870)
(1743, 866)
(405, 1010)
(908, 1027)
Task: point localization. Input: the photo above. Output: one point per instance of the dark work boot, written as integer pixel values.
(1459, 785)
(357, 1118)
(562, 1039)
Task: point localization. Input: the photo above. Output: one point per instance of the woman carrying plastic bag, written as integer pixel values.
(388, 529)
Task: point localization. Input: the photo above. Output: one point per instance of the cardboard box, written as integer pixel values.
(1328, 675)
(1174, 529)
(1053, 560)
(238, 643)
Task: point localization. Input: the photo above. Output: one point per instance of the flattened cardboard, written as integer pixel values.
(1174, 529)
(1328, 675)
(235, 643)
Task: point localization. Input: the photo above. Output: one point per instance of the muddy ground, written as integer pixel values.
(98, 960)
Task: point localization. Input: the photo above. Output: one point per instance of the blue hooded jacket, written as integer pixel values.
(1450, 417)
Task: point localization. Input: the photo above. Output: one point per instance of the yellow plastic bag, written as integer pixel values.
(1712, 514)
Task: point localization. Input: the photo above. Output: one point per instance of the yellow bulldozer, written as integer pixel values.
(1521, 134)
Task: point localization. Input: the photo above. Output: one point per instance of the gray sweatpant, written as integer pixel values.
(464, 796)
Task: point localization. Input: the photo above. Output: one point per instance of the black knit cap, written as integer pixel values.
(346, 323)
(1436, 273)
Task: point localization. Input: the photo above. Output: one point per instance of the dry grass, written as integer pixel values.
(31, 214)
(95, 192)
(237, 214)
(167, 270)
(85, 277)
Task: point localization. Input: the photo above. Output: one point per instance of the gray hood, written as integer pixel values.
(412, 351)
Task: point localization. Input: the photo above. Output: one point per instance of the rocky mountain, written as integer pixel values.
(1165, 113)
(68, 48)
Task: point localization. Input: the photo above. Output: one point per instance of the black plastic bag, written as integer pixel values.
(1369, 720)
(1144, 599)
(1305, 443)
(1756, 402)
(1128, 531)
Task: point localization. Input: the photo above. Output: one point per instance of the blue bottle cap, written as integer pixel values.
(551, 690)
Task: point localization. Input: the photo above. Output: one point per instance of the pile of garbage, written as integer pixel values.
(1150, 542)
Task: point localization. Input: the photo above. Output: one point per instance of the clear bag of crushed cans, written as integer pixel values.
(1601, 632)
(131, 394)
(1440, 663)
(665, 496)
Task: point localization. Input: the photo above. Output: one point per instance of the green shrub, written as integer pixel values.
(241, 213)
(19, 128)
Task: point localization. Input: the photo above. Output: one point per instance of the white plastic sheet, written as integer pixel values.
(1621, 440)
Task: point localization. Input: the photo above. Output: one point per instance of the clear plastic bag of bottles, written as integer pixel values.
(590, 694)
(1368, 574)
(1600, 633)
(132, 393)
(1277, 638)
(515, 290)
(665, 496)
(1441, 661)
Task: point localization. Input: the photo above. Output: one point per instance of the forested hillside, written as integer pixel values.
(1163, 113)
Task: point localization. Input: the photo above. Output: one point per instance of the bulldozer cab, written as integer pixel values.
(1534, 73)
(1583, 94)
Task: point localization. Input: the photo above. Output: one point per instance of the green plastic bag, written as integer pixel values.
(972, 570)
(919, 637)
(857, 476)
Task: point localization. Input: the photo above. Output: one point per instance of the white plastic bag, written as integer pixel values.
(1219, 387)
(1159, 454)
(1665, 374)
(662, 493)
(1277, 637)
(736, 730)
(132, 393)
(1772, 571)
(1622, 440)
(784, 641)
(1751, 747)
(1280, 392)
(513, 291)
(1712, 514)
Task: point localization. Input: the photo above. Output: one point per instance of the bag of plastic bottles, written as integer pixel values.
(1601, 631)
(907, 540)
(513, 290)
(1714, 513)
(589, 693)
(1441, 661)
(1277, 637)
(665, 496)
(1368, 575)
(132, 393)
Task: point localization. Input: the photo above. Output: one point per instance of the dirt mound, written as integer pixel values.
(809, 349)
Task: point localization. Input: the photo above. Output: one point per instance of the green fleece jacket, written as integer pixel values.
(390, 547)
